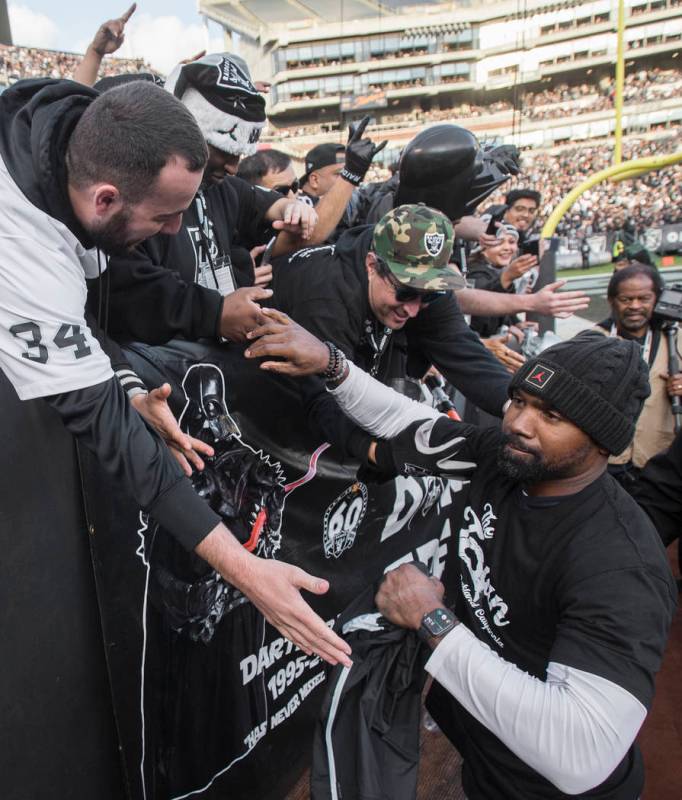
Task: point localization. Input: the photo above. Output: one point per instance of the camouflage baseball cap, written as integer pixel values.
(416, 242)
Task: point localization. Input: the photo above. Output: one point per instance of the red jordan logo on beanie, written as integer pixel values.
(539, 376)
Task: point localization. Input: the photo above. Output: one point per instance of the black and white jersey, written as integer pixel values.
(46, 346)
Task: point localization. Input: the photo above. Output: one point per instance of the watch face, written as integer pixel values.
(438, 621)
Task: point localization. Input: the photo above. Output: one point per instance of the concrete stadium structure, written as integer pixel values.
(331, 61)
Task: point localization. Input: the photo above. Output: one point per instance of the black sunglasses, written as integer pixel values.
(403, 294)
(286, 188)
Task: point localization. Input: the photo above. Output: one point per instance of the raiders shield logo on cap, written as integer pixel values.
(539, 376)
(434, 243)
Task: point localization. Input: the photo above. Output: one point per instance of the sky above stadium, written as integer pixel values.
(160, 31)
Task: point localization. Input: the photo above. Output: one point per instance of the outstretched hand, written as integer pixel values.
(156, 411)
(297, 218)
(549, 300)
(300, 352)
(275, 589)
(510, 359)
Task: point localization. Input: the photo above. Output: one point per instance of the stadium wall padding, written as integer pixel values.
(227, 715)
(58, 733)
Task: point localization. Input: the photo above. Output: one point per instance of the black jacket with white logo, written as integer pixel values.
(367, 740)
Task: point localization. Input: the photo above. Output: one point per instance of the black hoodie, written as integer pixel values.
(155, 295)
(325, 290)
(37, 118)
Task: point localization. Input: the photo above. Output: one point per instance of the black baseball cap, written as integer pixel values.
(323, 155)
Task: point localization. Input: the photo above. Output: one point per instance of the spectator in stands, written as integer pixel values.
(323, 166)
(378, 296)
(632, 294)
(81, 171)
(271, 169)
(651, 200)
(215, 296)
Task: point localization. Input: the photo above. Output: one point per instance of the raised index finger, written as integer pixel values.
(126, 15)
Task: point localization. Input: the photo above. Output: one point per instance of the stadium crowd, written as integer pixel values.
(33, 62)
(650, 201)
(341, 290)
(561, 100)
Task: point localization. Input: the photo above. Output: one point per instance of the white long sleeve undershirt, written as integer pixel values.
(574, 728)
(378, 409)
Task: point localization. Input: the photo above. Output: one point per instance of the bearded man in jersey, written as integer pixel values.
(556, 600)
(83, 175)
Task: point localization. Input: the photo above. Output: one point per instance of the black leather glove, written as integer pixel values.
(359, 153)
(506, 157)
(493, 168)
(426, 447)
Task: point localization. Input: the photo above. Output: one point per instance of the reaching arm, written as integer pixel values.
(547, 301)
(108, 39)
(359, 154)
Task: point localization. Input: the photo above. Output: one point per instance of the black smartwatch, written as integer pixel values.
(435, 624)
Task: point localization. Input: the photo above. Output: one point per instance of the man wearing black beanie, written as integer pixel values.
(556, 596)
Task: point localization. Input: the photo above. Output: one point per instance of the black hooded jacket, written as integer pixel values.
(325, 290)
(154, 295)
(366, 744)
(37, 118)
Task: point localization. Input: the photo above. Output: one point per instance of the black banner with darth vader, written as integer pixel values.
(211, 701)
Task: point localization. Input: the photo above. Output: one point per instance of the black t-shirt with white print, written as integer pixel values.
(580, 580)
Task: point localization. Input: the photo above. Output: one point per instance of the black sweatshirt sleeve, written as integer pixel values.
(440, 336)
(102, 419)
(659, 491)
(254, 202)
(150, 303)
(127, 377)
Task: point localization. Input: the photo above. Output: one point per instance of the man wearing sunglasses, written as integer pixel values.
(272, 170)
(383, 296)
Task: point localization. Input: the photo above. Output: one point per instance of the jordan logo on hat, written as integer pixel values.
(539, 376)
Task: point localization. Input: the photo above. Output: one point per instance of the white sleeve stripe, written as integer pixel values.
(574, 729)
(122, 372)
(127, 381)
(377, 408)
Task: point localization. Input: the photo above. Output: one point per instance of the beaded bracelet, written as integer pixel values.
(337, 363)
